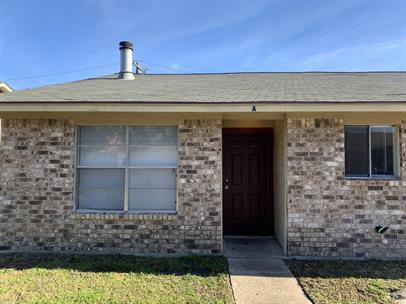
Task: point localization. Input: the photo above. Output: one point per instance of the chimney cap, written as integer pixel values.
(126, 44)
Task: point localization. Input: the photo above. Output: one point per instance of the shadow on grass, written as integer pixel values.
(193, 265)
(372, 269)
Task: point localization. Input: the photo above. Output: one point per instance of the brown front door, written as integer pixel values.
(247, 184)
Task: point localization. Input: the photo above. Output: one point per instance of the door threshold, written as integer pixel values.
(248, 236)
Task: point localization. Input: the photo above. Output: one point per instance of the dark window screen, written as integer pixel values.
(357, 151)
(382, 150)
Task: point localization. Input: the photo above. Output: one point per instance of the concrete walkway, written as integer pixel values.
(259, 275)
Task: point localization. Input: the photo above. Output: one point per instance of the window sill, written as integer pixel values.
(126, 215)
(92, 211)
(374, 178)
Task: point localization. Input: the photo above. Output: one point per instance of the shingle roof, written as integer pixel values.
(225, 88)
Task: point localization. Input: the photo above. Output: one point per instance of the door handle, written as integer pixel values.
(226, 187)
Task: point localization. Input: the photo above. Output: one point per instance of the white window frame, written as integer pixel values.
(396, 156)
(126, 168)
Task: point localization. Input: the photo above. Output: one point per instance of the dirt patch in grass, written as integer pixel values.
(358, 282)
(46, 278)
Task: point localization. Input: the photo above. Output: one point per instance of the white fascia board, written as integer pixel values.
(203, 108)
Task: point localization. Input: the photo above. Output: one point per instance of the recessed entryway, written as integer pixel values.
(252, 247)
(247, 182)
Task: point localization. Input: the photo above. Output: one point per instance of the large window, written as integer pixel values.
(126, 168)
(370, 151)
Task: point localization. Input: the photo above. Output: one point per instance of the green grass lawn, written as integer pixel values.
(350, 281)
(45, 278)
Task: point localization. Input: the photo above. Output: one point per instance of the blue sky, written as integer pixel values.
(43, 37)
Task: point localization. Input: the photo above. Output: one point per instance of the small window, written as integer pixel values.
(370, 151)
(122, 168)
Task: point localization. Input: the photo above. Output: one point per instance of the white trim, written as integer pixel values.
(287, 107)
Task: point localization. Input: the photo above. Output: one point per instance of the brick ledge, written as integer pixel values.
(84, 214)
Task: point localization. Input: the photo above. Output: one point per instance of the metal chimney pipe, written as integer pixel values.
(126, 61)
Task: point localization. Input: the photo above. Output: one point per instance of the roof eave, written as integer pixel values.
(275, 107)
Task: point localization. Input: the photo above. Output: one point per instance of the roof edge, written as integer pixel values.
(203, 108)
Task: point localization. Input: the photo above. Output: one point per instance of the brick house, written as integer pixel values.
(169, 164)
